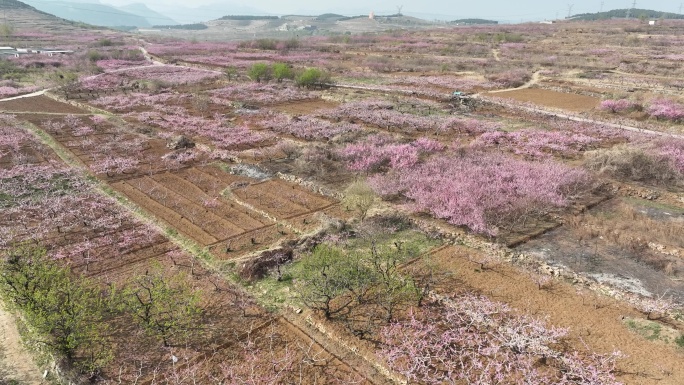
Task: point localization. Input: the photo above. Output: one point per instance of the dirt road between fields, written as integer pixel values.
(15, 361)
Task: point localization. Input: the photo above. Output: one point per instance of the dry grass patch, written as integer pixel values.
(630, 163)
(659, 243)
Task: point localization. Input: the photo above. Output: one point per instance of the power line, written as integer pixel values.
(629, 11)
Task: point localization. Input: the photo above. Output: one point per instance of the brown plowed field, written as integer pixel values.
(548, 98)
(312, 221)
(104, 267)
(172, 218)
(268, 202)
(281, 199)
(304, 107)
(190, 201)
(40, 104)
(203, 217)
(230, 229)
(258, 239)
(213, 180)
(246, 219)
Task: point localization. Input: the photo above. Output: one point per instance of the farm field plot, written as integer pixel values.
(27, 154)
(39, 104)
(281, 199)
(182, 211)
(112, 151)
(305, 107)
(554, 99)
(279, 341)
(193, 201)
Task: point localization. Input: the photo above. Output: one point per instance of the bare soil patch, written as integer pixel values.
(39, 104)
(548, 98)
(159, 210)
(229, 211)
(312, 221)
(193, 201)
(16, 363)
(304, 107)
(281, 199)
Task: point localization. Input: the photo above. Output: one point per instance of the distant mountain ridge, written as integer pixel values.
(14, 4)
(25, 17)
(187, 14)
(622, 13)
(91, 13)
(153, 17)
(473, 21)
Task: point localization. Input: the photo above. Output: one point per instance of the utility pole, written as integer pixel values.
(570, 9)
(601, 10)
(629, 11)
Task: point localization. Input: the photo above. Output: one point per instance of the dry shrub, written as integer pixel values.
(630, 163)
(317, 162)
(625, 219)
(257, 268)
(359, 196)
(512, 78)
(631, 230)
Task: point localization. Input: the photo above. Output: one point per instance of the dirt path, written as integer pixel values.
(534, 80)
(585, 120)
(32, 94)
(495, 52)
(149, 57)
(15, 361)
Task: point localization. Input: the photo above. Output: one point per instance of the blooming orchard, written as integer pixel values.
(471, 339)
(482, 190)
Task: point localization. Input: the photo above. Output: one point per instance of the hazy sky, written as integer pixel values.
(494, 9)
